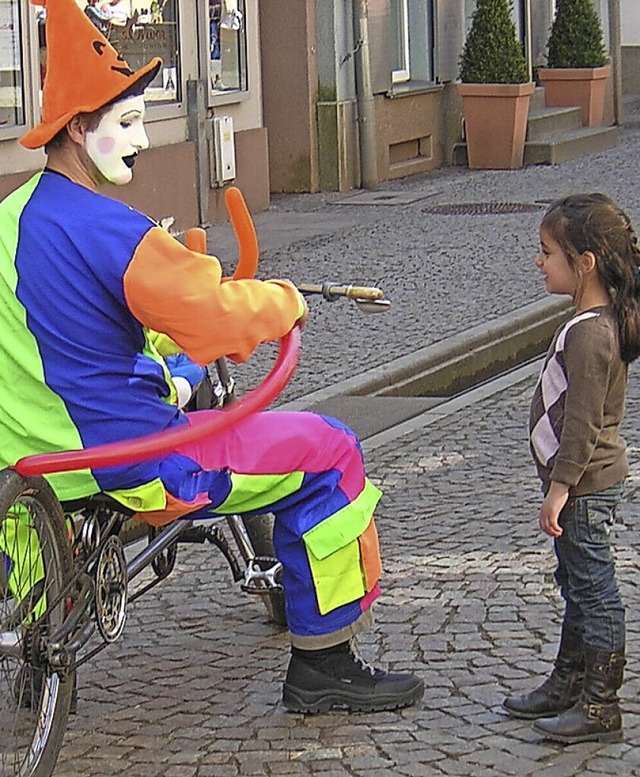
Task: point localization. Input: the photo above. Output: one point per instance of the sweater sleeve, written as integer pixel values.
(182, 294)
(588, 355)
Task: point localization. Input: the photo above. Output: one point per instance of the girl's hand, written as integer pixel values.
(551, 508)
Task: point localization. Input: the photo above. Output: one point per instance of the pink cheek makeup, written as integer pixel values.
(106, 145)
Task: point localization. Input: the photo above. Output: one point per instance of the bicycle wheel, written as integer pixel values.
(35, 555)
(260, 531)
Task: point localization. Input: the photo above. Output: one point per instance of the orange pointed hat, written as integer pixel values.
(84, 72)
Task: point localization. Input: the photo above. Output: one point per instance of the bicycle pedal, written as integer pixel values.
(262, 575)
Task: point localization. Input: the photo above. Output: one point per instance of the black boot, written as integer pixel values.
(595, 717)
(561, 689)
(318, 680)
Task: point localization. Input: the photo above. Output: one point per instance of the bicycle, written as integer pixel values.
(75, 582)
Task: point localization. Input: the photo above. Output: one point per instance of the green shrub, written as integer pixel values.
(576, 38)
(492, 53)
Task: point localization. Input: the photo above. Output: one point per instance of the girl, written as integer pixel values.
(589, 250)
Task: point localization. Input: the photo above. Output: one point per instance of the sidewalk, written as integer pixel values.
(444, 273)
(193, 688)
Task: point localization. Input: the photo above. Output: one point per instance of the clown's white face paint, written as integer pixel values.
(115, 143)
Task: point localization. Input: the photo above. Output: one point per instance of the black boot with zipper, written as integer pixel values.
(595, 717)
(561, 689)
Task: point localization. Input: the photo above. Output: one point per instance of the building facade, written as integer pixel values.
(276, 95)
(630, 39)
(206, 98)
(404, 116)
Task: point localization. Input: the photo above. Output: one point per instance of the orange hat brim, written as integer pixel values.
(42, 133)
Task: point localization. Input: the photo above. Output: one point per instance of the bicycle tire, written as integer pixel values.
(34, 700)
(260, 531)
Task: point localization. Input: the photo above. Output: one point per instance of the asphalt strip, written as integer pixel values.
(460, 402)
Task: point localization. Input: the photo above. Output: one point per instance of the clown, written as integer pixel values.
(88, 282)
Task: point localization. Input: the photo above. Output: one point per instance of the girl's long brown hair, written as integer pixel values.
(594, 222)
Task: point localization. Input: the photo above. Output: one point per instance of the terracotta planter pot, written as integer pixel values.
(495, 117)
(582, 86)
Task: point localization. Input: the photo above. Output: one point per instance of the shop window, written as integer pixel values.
(227, 46)
(139, 30)
(11, 70)
(411, 26)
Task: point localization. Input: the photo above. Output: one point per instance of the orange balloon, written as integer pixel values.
(245, 232)
(195, 239)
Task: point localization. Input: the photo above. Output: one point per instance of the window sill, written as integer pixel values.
(411, 88)
(217, 99)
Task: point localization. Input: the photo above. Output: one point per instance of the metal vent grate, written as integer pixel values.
(482, 208)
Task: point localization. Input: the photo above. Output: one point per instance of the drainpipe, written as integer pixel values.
(364, 94)
(615, 44)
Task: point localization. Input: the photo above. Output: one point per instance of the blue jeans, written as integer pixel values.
(586, 569)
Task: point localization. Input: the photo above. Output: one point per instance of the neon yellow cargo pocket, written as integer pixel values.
(343, 568)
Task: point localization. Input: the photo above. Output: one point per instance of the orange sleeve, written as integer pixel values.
(181, 293)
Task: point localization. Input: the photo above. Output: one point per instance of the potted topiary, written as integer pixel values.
(577, 69)
(495, 88)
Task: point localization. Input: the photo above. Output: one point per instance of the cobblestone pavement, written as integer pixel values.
(193, 687)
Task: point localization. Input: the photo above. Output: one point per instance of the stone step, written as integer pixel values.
(537, 99)
(555, 135)
(544, 122)
(571, 144)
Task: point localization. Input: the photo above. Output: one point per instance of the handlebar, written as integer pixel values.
(368, 298)
(160, 443)
(332, 291)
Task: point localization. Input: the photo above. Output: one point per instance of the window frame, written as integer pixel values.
(165, 120)
(223, 97)
(177, 109)
(28, 64)
(401, 44)
(418, 44)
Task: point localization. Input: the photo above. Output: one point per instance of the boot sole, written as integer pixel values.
(296, 700)
(606, 737)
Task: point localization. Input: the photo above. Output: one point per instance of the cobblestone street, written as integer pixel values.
(193, 688)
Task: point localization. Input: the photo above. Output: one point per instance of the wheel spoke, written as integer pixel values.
(35, 565)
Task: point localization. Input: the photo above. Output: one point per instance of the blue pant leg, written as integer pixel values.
(587, 576)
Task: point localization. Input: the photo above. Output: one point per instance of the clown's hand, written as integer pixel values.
(186, 376)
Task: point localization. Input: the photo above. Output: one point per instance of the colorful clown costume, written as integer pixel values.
(83, 292)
